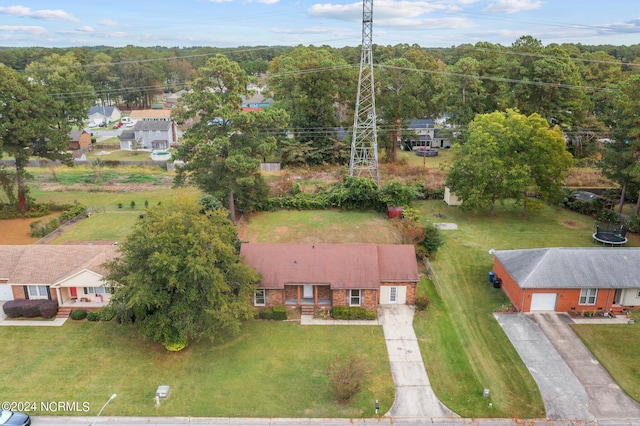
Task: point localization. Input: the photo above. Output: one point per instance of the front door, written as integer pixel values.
(307, 292)
(616, 296)
(393, 294)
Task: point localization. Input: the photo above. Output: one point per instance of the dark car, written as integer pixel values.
(13, 418)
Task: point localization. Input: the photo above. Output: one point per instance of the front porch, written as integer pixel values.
(310, 298)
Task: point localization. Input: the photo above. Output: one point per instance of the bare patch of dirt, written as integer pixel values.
(17, 231)
(570, 223)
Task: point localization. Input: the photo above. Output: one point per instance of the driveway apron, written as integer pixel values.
(605, 398)
(414, 395)
(563, 395)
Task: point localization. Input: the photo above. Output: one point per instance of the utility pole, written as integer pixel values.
(364, 144)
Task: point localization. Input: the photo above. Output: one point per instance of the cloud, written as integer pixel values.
(627, 27)
(85, 29)
(263, 1)
(107, 23)
(28, 29)
(513, 6)
(383, 10)
(50, 15)
(314, 30)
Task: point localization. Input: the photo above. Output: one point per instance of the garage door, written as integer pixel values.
(543, 302)
(5, 292)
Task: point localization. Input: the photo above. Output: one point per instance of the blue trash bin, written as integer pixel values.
(492, 276)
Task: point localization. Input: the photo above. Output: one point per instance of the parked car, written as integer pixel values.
(14, 418)
(117, 125)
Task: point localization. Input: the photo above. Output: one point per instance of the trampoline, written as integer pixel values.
(610, 234)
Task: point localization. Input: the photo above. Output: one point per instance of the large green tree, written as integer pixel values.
(620, 160)
(398, 98)
(223, 148)
(31, 124)
(65, 80)
(315, 87)
(508, 155)
(179, 276)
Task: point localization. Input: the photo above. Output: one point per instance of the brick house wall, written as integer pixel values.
(19, 293)
(274, 297)
(369, 298)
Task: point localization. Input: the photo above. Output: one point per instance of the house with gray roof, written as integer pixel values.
(422, 132)
(601, 279)
(149, 135)
(105, 114)
(314, 277)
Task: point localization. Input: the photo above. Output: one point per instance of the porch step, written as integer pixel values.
(64, 312)
(308, 310)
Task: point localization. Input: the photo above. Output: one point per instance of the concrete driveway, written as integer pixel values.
(573, 384)
(414, 396)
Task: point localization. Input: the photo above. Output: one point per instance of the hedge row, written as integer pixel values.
(278, 313)
(31, 308)
(352, 313)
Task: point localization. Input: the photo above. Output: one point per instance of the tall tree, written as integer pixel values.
(620, 158)
(31, 124)
(464, 91)
(399, 88)
(223, 149)
(65, 80)
(179, 276)
(508, 155)
(314, 86)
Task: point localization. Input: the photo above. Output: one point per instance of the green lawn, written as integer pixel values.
(327, 226)
(464, 348)
(617, 348)
(272, 369)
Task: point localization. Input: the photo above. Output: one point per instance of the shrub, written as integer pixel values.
(432, 239)
(280, 313)
(351, 313)
(347, 376)
(371, 314)
(133, 204)
(396, 193)
(78, 314)
(422, 302)
(30, 308)
(266, 314)
(93, 316)
(176, 344)
(106, 314)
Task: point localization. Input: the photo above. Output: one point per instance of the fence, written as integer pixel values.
(270, 167)
(108, 163)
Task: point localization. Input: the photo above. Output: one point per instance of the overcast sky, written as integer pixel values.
(231, 23)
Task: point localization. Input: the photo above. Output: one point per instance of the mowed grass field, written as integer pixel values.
(272, 369)
(464, 349)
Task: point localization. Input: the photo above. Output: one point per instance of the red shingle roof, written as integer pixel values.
(343, 266)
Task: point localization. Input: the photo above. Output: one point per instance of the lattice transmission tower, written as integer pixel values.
(364, 144)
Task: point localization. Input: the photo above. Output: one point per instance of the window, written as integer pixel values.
(259, 298)
(393, 294)
(588, 296)
(638, 295)
(37, 292)
(97, 290)
(355, 297)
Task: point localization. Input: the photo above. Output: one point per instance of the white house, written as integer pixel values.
(105, 114)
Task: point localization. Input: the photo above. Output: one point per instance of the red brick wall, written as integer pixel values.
(509, 287)
(569, 299)
(291, 292)
(274, 297)
(339, 298)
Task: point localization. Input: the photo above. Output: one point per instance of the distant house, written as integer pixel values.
(423, 133)
(105, 114)
(154, 129)
(257, 100)
(69, 274)
(319, 276)
(171, 99)
(79, 139)
(570, 279)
